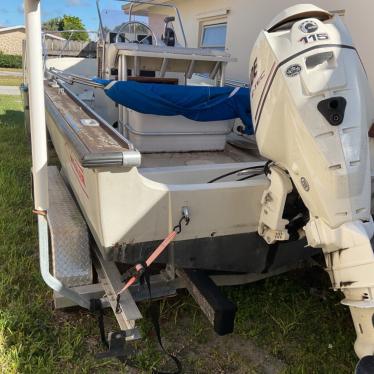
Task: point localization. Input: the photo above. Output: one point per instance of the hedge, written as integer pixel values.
(10, 61)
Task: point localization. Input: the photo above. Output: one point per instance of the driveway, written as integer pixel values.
(11, 73)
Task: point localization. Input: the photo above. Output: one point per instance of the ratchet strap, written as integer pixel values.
(137, 271)
(141, 272)
(154, 314)
(96, 308)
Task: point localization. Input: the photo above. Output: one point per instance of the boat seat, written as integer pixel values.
(142, 79)
(142, 73)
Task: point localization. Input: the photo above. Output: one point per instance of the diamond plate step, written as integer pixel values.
(71, 258)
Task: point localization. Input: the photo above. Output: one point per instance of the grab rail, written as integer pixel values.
(71, 78)
(228, 82)
(46, 32)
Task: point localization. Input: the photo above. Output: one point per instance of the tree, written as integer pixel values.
(52, 24)
(73, 23)
(67, 22)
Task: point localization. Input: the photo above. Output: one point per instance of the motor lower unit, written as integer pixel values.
(311, 108)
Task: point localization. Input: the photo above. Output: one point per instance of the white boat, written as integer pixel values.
(141, 174)
(133, 183)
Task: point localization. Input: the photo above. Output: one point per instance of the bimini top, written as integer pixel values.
(197, 103)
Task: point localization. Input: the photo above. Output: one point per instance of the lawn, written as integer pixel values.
(295, 317)
(8, 80)
(11, 69)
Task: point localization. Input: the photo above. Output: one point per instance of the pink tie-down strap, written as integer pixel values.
(157, 252)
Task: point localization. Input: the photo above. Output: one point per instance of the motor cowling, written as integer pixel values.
(311, 111)
(312, 108)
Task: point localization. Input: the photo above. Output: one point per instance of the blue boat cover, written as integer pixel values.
(198, 103)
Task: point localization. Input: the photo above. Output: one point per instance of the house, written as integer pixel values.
(233, 25)
(11, 39)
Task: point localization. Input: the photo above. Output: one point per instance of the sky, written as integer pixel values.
(11, 11)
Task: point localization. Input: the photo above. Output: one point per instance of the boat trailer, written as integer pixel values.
(62, 228)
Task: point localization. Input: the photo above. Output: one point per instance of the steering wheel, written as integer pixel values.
(132, 30)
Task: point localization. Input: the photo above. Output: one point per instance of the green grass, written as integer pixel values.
(10, 80)
(295, 317)
(33, 338)
(299, 320)
(11, 69)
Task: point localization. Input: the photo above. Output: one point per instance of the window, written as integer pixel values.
(213, 36)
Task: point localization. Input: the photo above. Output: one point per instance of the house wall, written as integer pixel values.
(246, 18)
(11, 42)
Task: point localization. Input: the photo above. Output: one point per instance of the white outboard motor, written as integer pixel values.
(312, 109)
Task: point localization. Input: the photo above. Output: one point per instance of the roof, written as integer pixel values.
(22, 27)
(12, 28)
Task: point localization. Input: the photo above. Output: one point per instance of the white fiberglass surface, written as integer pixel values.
(86, 67)
(205, 174)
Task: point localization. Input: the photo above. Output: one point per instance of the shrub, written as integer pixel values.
(10, 61)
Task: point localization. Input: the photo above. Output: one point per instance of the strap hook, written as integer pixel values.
(185, 218)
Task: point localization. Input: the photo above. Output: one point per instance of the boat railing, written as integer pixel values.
(130, 12)
(132, 2)
(71, 78)
(74, 78)
(228, 82)
(236, 83)
(65, 42)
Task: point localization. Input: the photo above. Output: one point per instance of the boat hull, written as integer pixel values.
(128, 211)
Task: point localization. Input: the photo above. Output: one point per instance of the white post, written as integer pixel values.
(39, 145)
(36, 102)
(123, 113)
(223, 74)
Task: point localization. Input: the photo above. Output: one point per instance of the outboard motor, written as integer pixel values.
(312, 109)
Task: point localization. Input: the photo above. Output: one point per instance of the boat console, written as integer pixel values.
(133, 52)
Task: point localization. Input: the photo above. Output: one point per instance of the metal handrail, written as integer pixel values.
(236, 83)
(100, 19)
(69, 38)
(74, 78)
(229, 82)
(45, 49)
(132, 2)
(158, 4)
